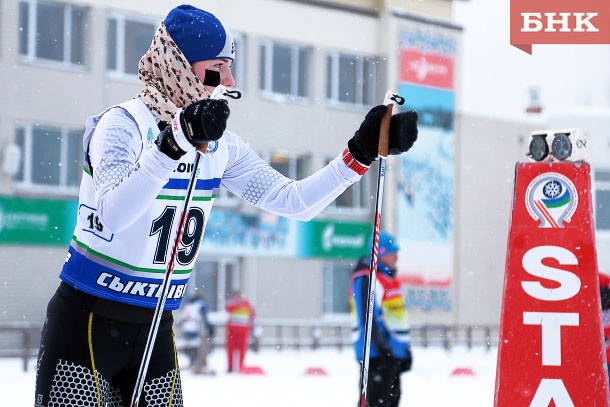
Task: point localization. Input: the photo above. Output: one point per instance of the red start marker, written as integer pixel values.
(551, 349)
(463, 371)
(315, 371)
(251, 370)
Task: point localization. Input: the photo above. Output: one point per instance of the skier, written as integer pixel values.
(198, 332)
(138, 159)
(390, 348)
(239, 324)
(190, 324)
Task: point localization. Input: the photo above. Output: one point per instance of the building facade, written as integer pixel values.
(309, 71)
(305, 90)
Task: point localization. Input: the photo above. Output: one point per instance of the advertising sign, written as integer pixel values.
(263, 234)
(551, 347)
(335, 240)
(260, 234)
(36, 221)
(425, 185)
(426, 68)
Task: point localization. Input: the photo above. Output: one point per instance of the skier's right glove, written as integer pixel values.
(364, 145)
(200, 123)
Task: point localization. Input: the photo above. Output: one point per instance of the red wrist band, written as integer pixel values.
(353, 164)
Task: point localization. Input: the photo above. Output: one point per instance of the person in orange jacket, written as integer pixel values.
(239, 324)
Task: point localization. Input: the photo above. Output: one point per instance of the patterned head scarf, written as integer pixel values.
(169, 80)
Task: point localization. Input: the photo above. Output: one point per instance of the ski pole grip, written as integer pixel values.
(384, 132)
(391, 98)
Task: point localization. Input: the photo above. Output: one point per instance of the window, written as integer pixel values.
(284, 69)
(337, 278)
(52, 31)
(216, 280)
(289, 165)
(359, 195)
(127, 40)
(602, 200)
(353, 80)
(52, 158)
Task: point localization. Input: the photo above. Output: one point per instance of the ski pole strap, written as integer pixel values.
(353, 164)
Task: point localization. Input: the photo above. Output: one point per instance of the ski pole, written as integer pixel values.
(384, 134)
(219, 93)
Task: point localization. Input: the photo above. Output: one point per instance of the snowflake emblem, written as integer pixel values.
(552, 189)
(150, 138)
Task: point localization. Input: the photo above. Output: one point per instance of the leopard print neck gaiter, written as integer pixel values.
(169, 80)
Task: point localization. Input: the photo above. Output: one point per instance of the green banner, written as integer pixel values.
(51, 222)
(334, 239)
(36, 221)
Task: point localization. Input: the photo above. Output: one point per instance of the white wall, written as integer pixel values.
(488, 150)
(597, 122)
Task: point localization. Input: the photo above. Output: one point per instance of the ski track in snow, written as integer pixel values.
(285, 383)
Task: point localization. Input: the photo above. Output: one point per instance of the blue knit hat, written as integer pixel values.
(199, 34)
(387, 244)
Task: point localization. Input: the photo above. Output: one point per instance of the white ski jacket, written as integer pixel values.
(131, 196)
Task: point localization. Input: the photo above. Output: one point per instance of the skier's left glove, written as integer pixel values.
(364, 145)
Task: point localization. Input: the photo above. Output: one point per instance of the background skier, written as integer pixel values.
(390, 352)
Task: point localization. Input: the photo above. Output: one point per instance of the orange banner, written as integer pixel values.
(559, 22)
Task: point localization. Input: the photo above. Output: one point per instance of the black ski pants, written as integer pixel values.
(90, 354)
(384, 382)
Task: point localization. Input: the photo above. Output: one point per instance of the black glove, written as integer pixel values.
(405, 364)
(198, 124)
(205, 120)
(364, 145)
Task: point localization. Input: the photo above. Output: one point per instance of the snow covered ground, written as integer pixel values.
(285, 383)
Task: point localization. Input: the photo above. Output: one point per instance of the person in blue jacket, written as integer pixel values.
(390, 351)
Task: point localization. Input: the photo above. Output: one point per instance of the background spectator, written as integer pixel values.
(239, 325)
